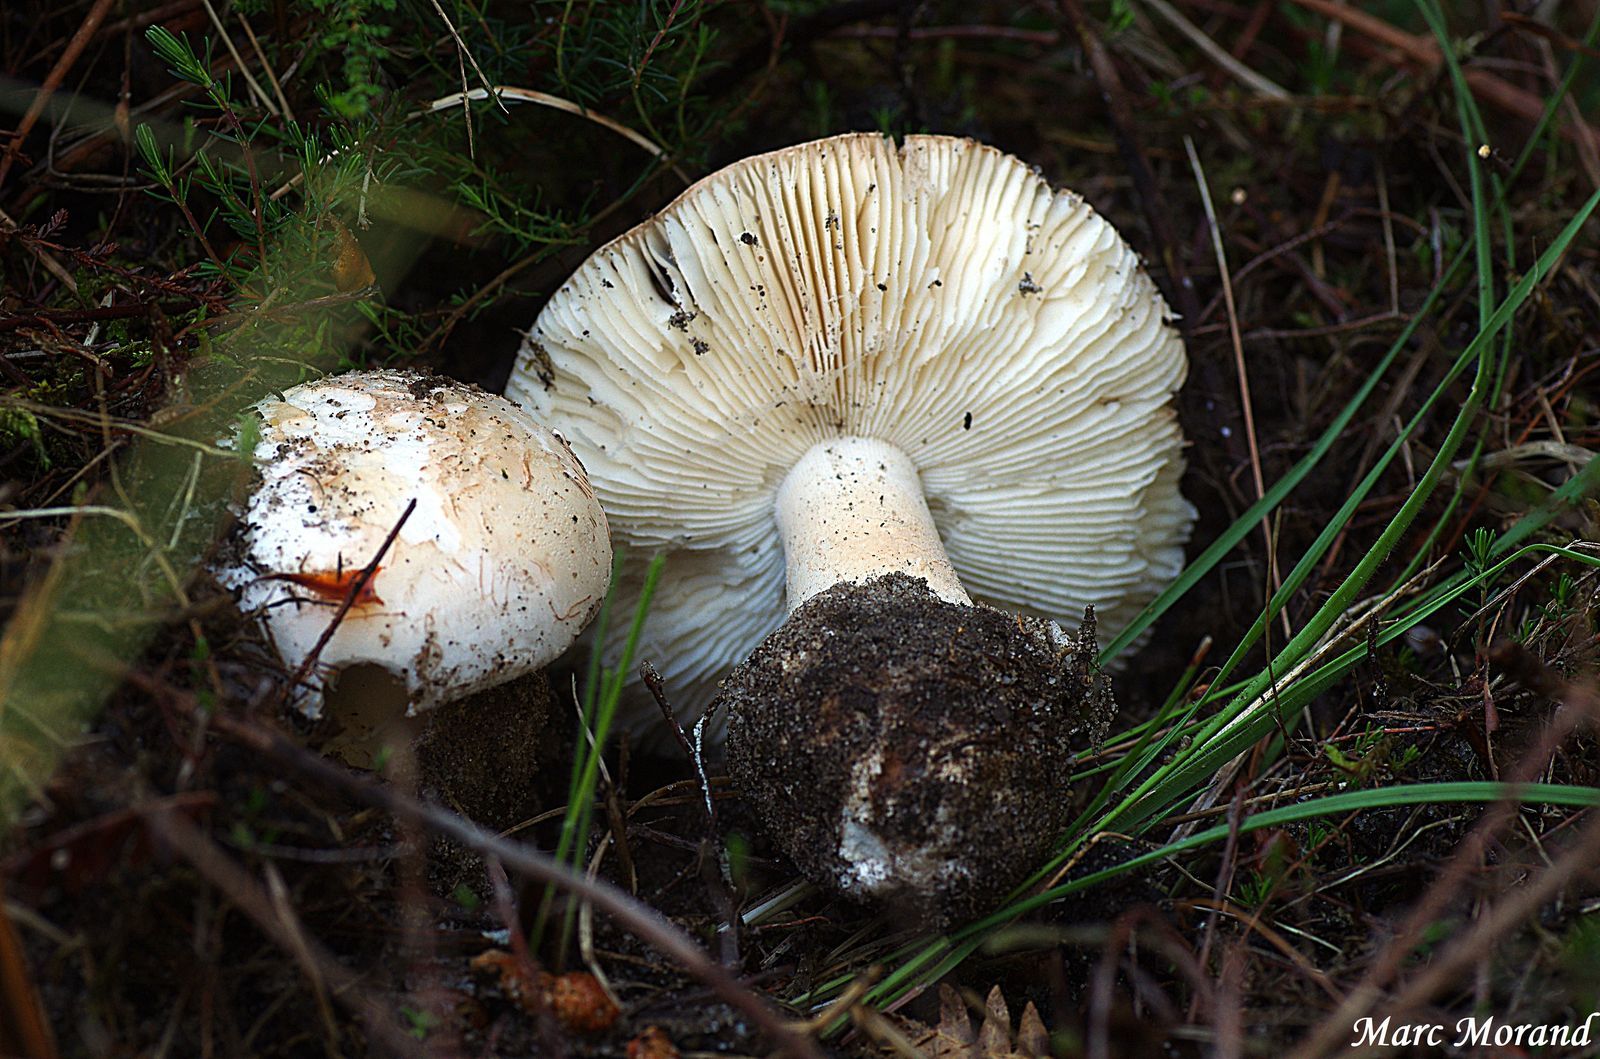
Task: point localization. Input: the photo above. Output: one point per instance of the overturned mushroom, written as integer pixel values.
(939, 380)
(499, 553)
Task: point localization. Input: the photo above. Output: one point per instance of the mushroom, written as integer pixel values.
(495, 570)
(910, 385)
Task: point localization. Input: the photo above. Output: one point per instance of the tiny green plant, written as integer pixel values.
(1120, 18)
(419, 1023)
(1255, 888)
(602, 696)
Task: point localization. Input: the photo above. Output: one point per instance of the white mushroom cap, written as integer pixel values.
(938, 296)
(501, 564)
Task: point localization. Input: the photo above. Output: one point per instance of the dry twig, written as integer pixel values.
(52, 81)
(642, 920)
(276, 920)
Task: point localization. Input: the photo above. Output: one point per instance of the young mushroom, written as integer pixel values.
(909, 385)
(491, 550)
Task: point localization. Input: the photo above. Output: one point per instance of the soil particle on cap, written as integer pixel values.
(956, 725)
(424, 386)
(543, 367)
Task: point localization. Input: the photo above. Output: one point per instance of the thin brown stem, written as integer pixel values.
(633, 914)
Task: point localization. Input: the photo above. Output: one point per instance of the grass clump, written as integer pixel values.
(1350, 719)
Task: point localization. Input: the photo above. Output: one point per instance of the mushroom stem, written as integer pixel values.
(851, 510)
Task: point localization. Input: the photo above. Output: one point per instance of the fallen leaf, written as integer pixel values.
(351, 269)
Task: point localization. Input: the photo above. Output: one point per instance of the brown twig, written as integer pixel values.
(655, 42)
(1246, 403)
(642, 920)
(149, 17)
(58, 73)
(1226, 868)
(1228, 1016)
(55, 267)
(23, 1028)
(1124, 929)
(1252, 80)
(355, 591)
(1026, 36)
(1251, 919)
(1517, 910)
(277, 922)
(41, 317)
(1548, 33)
(796, 31)
(1424, 51)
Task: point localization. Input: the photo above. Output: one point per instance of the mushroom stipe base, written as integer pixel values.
(900, 745)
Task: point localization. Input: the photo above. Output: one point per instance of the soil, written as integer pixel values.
(881, 708)
(186, 882)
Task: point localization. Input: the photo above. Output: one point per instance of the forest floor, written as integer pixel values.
(1364, 217)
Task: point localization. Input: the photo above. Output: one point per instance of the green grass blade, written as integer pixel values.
(951, 949)
(1462, 792)
(599, 711)
(1214, 747)
(1247, 522)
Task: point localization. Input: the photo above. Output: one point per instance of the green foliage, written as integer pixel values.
(1370, 759)
(1318, 834)
(1254, 889)
(19, 427)
(263, 203)
(185, 64)
(273, 201)
(1563, 601)
(419, 1023)
(350, 50)
(1480, 549)
(1319, 68)
(1120, 18)
(647, 54)
(1177, 100)
(357, 33)
(1580, 960)
(821, 105)
(602, 695)
(157, 161)
(509, 213)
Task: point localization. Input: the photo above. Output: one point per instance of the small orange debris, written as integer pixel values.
(336, 584)
(653, 1043)
(581, 1003)
(519, 987)
(577, 999)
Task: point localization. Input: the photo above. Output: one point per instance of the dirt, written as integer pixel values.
(905, 748)
(1338, 206)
